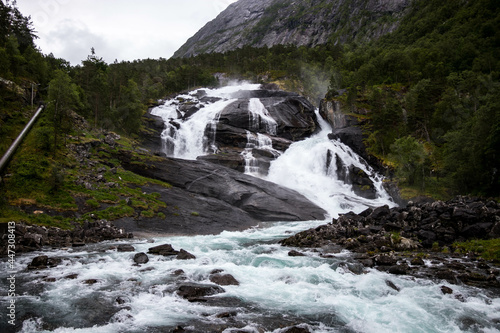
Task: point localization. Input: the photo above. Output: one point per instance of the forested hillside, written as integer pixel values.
(426, 95)
(430, 94)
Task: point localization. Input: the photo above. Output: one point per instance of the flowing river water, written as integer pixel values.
(99, 289)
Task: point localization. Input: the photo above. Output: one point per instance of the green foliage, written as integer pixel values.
(444, 57)
(63, 97)
(148, 213)
(486, 249)
(92, 203)
(409, 156)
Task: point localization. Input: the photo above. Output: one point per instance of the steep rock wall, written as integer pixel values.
(261, 23)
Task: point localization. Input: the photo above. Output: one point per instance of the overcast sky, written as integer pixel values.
(117, 29)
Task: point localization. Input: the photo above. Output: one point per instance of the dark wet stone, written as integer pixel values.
(224, 280)
(91, 281)
(398, 269)
(164, 250)
(385, 260)
(122, 300)
(125, 248)
(39, 262)
(193, 291)
(178, 272)
(446, 290)
(446, 274)
(294, 253)
(141, 258)
(392, 285)
(296, 329)
(227, 314)
(417, 261)
(184, 255)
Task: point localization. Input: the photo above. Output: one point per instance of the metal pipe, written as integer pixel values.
(8, 154)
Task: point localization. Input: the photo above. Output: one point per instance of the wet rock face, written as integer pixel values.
(248, 199)
(293, 114)
(361, 183)
(285, 117)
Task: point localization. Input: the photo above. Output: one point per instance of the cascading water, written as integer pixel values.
(98, 289)
(261, 142)
(305, 167)
(259, 115)
(185, 135)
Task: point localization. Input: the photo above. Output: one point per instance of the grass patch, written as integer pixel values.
(13, 214)
(112, 213)
(486, 249)
(94, 204)
(148, 213)
(433, 188)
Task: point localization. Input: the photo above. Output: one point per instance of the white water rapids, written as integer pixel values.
(274, 291)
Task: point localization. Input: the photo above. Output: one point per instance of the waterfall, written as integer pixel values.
(307, 167)
(185, 137)
(188, 135)
(258, 114)
(261, 143)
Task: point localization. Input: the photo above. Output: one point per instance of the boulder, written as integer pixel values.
(224, 280)
(125, 248)
(184, 255)
(141, 258)
(163, 250)
(39, 262)
(193, 291)
(294, 253)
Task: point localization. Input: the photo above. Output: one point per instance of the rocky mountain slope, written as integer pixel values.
(261, 23)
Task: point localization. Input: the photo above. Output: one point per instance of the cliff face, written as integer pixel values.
(261, 23)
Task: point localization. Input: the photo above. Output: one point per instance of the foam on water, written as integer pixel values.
(312, 290)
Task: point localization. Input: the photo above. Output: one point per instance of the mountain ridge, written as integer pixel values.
(302, 23)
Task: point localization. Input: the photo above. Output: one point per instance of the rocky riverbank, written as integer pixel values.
(418, 240)
(32, 238)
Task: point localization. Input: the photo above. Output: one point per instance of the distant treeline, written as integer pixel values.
(427, 94)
